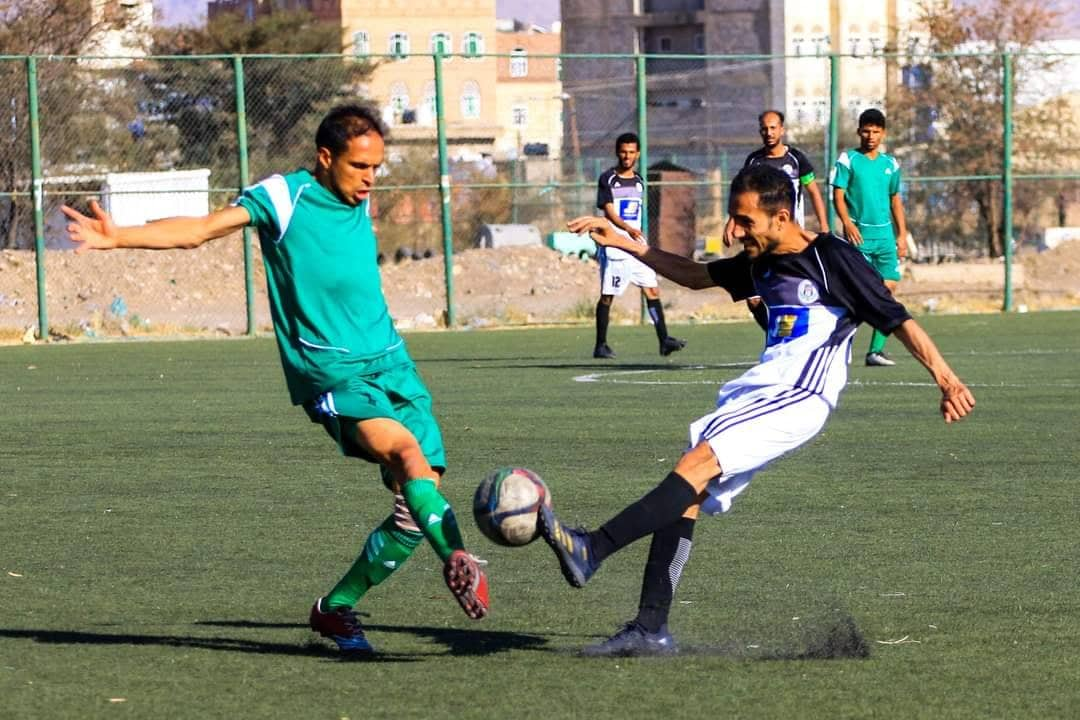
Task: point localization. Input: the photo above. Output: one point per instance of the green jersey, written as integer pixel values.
(322, 275)
(868, 189)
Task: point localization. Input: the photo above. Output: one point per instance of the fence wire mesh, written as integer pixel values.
(525, 140)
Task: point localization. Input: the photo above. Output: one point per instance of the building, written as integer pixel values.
(867, 34)
(697, 108)
(528, 93)
(388, 31)
(125, 28)
(325, 10)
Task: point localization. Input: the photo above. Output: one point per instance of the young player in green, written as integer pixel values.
(866, 195)
(344, 361)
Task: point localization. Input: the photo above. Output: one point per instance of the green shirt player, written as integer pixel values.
(866, 194)
(344, 361)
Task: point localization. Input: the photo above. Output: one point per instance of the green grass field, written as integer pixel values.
(166, 520)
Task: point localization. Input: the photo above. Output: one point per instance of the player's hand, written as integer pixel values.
(599, 229)
(852, 233)
(636, 234)
(901, 248)
(956, 401)
(96, 233)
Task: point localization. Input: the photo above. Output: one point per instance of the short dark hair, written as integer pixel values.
(625, 139)
(873, 116)
(777, 113)
(345, 122)
(772, 185)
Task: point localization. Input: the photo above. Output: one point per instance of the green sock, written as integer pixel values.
(433, 515)
(387, 548)
(877, 342)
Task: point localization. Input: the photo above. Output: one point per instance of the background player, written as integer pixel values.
(344, 361)
(866, 194)
(619, 194)
(817, 289)
(794, 163)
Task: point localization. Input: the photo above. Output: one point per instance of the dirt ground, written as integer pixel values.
(202, 291)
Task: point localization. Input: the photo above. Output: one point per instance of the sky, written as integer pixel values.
(540, 12)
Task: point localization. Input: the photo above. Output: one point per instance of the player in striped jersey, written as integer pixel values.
(344, 361)
(816, 289)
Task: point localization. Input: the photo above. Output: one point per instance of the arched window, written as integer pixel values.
(399, 44)
(473, 44)
(399, 100)
(426, 112)
(440, 43)
(470, 100)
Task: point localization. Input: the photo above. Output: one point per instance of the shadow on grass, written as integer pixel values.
(616, 366)
(457, 642)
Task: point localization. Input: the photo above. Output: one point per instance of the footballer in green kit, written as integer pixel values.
(344, 361)
(866, 195)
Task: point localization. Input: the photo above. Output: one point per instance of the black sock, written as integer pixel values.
(659, 507)
(668, 553)
(761, 314)
(656, 312)
(603, 314)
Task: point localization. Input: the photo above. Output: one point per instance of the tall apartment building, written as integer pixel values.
(529, 96)
(696, 107)
(864, 31)
(387, 31)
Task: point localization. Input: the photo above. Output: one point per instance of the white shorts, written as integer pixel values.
(617, 275)
(749, 430)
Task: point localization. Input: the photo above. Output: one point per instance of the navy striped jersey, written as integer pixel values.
(792, 163)
(816, 299)
(626, 194)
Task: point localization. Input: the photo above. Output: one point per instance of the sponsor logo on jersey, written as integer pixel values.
(630, 209)
(788, 324)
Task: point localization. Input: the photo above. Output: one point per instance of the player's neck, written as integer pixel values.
(777, 150)
(624, 173)
(871, 154)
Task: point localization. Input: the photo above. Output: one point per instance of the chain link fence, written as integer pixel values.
(988, 166)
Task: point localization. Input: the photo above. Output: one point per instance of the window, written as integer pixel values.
(797, 45)
(519, 63)
(665, 43)
(399, 44)
(699, 42)
(519, 116)
(470, 100)
(426, 112)
(473, 44)
(440, 43)
(361, 43)
(399, 100)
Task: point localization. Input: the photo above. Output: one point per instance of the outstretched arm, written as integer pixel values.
(956, 400)
(101, 233)
(676, 268)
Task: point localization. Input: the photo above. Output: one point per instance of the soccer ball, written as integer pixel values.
(507, 504)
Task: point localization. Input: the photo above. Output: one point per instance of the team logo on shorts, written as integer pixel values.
(808, 292)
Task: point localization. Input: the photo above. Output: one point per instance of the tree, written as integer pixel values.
(949, 111)
(34, 27)
(285, 97)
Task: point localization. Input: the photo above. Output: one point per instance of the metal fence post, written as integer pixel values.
(444, 189)
(833, 150)
(643, 160)
(38, 191)
(1007, 175)
(242, 167)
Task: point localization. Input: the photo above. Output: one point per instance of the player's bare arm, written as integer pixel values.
(101, 233)
(851, 232)
(613, 217)
(901, 225)
(819, 206)
(684, 271)
(956, 399)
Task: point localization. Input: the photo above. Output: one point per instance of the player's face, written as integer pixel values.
(627, 155)
(870, 137)
(352, 172)
(771, 130)
(755, 229)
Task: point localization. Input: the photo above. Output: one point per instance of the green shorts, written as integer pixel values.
(397, 393)
(882, 256)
